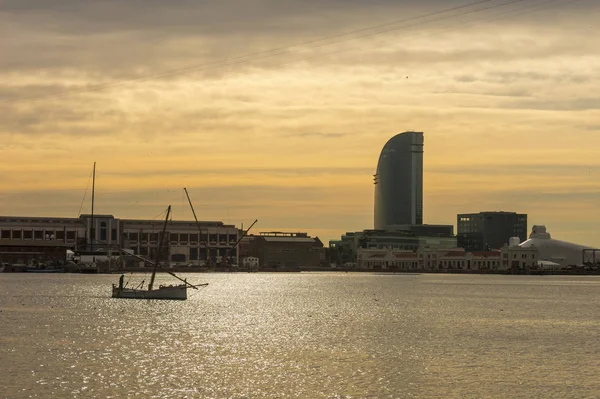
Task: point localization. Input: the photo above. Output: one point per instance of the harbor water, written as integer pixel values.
(302, 335)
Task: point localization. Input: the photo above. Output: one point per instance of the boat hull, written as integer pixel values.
(173, 292)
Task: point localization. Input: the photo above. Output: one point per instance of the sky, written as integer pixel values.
(277, 110)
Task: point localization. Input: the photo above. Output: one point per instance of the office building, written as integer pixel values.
(489, 230)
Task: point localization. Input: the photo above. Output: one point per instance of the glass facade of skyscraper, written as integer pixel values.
(399, 181)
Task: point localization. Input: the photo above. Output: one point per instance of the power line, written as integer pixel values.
(463, 25)
(312, 44)
(530, 9)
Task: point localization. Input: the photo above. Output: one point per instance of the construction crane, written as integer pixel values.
(238, 241)
(208, 257)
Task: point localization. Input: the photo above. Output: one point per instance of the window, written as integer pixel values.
(193, 238)
(194, 253)
(103, 234)
(153, 237)
(60, 235)
(144, 237)
(38, 235)
(183, 238)
(174, 237)
(27, 234)
(113, 235)
(133, 237)
(6, 234)
(71, 235)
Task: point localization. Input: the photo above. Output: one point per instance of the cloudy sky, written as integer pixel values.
(277, 109)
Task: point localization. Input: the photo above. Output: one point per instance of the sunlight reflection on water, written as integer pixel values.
(302, 335)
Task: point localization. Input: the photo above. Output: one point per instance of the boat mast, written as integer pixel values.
(165, 270)
(92, 230)
(199, 229)
(157, 258)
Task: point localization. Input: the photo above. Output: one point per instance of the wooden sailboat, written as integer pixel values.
(176, 292)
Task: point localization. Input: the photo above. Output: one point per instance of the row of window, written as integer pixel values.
(195, 254)
(292, 250)
(38, 235)
(182, 238)
(444, 264)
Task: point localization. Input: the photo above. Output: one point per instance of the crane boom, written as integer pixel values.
(199, 229)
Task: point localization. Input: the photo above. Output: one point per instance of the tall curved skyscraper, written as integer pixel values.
(399, 181)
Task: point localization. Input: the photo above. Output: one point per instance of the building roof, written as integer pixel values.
(456, 253)
(377, 255)
(405, 255)
(492, 213)
(39, 219)
(288, 239)
(486, 254)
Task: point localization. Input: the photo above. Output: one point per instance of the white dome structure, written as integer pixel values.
(557, 251)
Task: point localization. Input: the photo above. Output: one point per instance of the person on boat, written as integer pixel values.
(121, 281)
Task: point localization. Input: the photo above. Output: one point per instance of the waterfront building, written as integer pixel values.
(184, 241)
(561, 253)
(517, 258)
(399, 238)
(399, 182)
(30, 252)
(343, 251)
(287, 251)
(511, 258)
(428, 260)
(489, 230)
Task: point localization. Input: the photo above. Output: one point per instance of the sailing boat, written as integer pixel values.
(178, 291)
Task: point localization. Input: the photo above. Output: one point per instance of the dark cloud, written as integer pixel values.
(128, 38)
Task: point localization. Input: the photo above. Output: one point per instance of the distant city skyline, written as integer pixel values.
(505, 96)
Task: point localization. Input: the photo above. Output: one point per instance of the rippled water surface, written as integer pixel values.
(304, 335)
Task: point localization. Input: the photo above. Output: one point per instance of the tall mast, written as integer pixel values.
(199, 229)
(92, 230)
(157, 258)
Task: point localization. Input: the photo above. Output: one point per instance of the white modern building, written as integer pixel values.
(560, 252)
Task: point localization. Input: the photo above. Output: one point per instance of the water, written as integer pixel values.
(303, 335)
